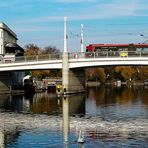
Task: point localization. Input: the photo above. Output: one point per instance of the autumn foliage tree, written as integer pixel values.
(126, 71)
(96, 74)
(33, 49)
(50, 50)
(123, 73)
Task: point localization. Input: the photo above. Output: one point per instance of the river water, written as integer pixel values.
(104, 117)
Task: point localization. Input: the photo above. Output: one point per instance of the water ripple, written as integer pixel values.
(27, 121)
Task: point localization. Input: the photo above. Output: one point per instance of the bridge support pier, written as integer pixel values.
(10, 79)
(73, 80)
(5, 82)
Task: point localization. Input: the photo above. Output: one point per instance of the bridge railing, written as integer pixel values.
(108, 54)
(32, 58)
(76, 55)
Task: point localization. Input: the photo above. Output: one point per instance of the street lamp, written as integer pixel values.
(144, 37)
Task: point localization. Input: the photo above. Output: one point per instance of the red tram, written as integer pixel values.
(116, 47)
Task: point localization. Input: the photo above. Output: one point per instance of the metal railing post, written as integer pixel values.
(49, 56)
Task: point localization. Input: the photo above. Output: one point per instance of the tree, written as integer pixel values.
(31, 49)
(109, 71)
(50, 50)
(95, 74)
(126, 71)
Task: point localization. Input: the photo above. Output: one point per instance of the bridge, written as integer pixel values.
(76, 60)
(73, 64)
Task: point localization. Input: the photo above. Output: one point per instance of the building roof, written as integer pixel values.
(6, 28)
(14, 45)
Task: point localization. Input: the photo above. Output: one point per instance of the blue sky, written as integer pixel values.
(105, 21)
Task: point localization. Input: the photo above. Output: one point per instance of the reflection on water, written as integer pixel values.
(45, 103)
(42, 103)
(109, 117)
(66, 123)
(1, 137)
(117, 103)
(17, 103)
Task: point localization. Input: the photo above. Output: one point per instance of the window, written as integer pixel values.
(1, 49)
(1, 34)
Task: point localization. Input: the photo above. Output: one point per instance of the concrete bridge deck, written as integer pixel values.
(82, 60)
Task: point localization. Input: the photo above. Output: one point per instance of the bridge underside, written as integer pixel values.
(76, 80)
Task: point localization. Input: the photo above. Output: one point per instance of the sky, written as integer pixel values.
(41, 22)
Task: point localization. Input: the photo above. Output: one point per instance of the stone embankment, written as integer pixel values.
(3, 91)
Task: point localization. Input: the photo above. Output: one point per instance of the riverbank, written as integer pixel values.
(92, 83)
(87, 84)
(96, 83)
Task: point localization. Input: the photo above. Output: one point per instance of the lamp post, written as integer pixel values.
(144, 37)
(65, 34)
(82, 38)
(141, 67)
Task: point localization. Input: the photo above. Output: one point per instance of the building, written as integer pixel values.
(8, 41)
(9, 49)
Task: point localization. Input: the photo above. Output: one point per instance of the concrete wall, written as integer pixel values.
(17, 77)
(8, 79)
(76, 80)
(1, 41)
(5, 81)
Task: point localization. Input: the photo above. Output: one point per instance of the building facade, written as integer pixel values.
(7, 36)
(9, 49)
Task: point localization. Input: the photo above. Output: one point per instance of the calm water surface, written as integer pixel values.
(107, 117)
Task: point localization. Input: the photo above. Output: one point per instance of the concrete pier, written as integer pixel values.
(65, 72)
(73, 80)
